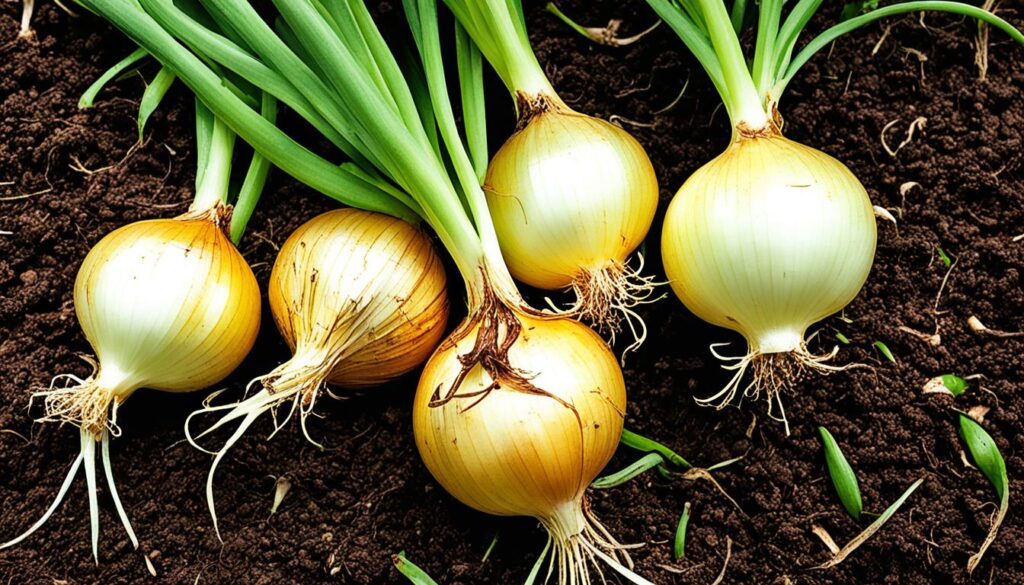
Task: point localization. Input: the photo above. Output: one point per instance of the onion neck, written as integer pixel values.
(212, 187)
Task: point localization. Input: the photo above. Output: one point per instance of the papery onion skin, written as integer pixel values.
(768, 238)
(168, 304)
(516, 453)
(335, 262)
(569, 193)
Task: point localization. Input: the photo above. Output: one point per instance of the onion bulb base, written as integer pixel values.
(771, 374)
(574, 547)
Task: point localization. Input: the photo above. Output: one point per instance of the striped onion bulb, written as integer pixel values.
(528, 446)
(360, 299)
(572, 197)
(765, 240)
(167, 304)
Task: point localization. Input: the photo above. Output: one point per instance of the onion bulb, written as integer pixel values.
(360, 299)
(765, 240)
(167, 304)
(529, 444)
(572, 197)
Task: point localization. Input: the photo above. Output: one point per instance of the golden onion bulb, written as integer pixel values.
(767, 239)
(167, 304)
(526, 449)
(362, 293)
(360, 299)
(571, 197)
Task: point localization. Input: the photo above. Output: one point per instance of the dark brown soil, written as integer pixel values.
(368, 496)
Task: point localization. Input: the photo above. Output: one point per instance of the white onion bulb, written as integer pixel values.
(765, 240)
(572, 197)
(167, 304)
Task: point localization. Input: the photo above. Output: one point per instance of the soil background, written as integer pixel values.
(68, 177)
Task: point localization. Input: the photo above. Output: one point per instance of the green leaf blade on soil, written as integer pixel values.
(843, 477)
(642, 443)
(955, 384)
(645, 463)
(679, 546)
(885, 351)
(990, 461)
(414, 574)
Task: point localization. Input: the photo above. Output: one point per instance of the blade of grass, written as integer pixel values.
(990, 461)
(871, 529)
(885, 351)
(843, 477)
(679, 546)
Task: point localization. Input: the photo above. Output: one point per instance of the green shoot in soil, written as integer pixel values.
(414, 574)
(842, 338)
(870, 530)
(944, 257)
(990, 461)
(885, 351)
(490, 548)
(644, 464)
(641, 443)
(955, 384)
(679, 548)
(843, 477)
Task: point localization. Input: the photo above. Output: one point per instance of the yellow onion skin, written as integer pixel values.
(768, 238)
(361, 293)
(168, 304)
(569, 193)
(516, 453)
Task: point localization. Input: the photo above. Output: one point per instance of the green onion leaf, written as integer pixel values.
(414, 574)
(843, 477)
(123, 66)
(943, 256)
(842, 338)
(955, 384)
(990, 461)
(679, 548)
(641, 443)
(885, 351)
(487, 553)
(645, 463)
(153, 95)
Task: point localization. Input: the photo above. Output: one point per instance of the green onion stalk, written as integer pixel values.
(772, 235)
(527, 384)
(572, 196)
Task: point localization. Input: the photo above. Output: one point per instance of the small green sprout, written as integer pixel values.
(990, 461)
(414, 574)
(885, 351)
(490, 548)
(955, 384)
(842, 338)
(843, 477)
(641, 443)
(679, 547)
(944, 257)
(644, 464)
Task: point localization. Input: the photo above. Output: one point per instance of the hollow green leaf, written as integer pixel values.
(414, 574)
(645, 463)
(679, 547)
(642, 443)
(885, 351)
(123, 66)
(153, 95)
(843, 477)
(955, 384)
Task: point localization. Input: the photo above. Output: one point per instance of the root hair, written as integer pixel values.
(606, 298)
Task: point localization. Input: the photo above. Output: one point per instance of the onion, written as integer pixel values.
(360, 298)
(167, 304)
(766, 239)
(529, 442)
(572, 196)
